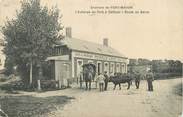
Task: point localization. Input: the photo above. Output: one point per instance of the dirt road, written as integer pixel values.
(123, 103)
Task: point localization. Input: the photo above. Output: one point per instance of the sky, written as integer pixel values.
(156, 35)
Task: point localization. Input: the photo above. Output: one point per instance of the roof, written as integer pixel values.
(86, 46)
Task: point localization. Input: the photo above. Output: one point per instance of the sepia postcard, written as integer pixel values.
(91, 58)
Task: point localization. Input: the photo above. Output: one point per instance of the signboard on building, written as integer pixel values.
(97, 57)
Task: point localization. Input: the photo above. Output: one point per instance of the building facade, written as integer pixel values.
(71, 53)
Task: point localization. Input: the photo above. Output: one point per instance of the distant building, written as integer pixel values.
(71, 53)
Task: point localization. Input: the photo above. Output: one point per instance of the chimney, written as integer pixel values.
(105, 41)
(68, 31)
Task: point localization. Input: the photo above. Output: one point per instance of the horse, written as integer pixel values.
(89, 71)
(120, 78)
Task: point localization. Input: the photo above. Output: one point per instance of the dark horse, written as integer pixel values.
(120, 78)
(89, 71)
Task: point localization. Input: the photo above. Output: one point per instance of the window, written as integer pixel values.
(117, 67)
(61, 50)
(123, 68)
(106, 67)
(99, 67)
(57, 49)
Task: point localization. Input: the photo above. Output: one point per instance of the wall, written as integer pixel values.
(62, 71)
(86, 57)
(85, 61)
(60, 50)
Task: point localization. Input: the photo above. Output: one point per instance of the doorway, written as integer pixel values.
(79, 67)
(99, 67)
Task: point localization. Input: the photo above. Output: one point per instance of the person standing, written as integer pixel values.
(95, 80)
(106, 80)
(130, 75)
(137, 80)
(100, 80)
(80, 75)
(150, 79)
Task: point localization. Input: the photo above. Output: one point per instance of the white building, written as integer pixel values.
(71, 53)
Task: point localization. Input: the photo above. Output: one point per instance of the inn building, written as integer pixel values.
(71, 53)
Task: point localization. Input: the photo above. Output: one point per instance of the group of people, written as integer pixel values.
(148, 76)
(103, 79)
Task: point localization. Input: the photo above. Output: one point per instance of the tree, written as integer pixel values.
(9, 67)
(30, 37)
(133, 62)
(142, 61)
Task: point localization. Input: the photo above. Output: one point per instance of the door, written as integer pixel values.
(99, 67)
(65, 73)
(66, 70)
(79, 67)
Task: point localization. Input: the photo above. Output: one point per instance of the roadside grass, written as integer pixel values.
(29, 106)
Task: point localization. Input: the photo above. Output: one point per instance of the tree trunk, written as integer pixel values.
(39, 84)
(30, 81)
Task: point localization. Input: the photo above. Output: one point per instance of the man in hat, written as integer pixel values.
(100, 80)
(150, 79)
(137, 79)
(106, 80)
(80, 75)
